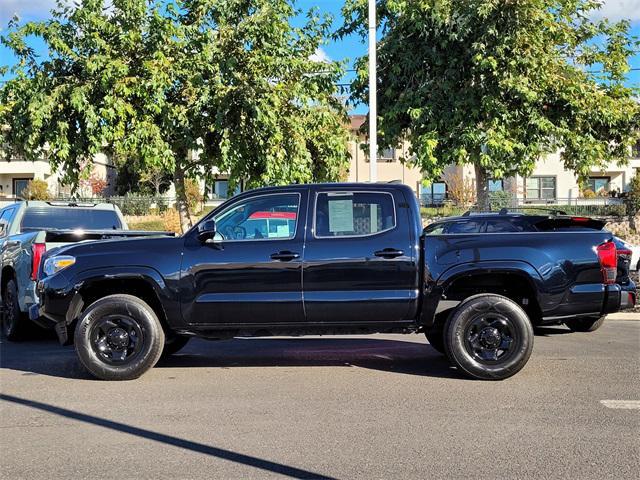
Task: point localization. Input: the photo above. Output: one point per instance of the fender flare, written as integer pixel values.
(86, 278)
(455, 272)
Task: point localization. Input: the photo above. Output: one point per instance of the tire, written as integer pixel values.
(119, 337)
(585, 324)
(14, 322)
(488, 337)
(435, 334)
(173, 344)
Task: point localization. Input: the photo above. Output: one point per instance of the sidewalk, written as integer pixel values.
(625, 316)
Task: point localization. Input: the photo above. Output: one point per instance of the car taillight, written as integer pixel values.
(608, 258)
(37, 251)
(624, 251)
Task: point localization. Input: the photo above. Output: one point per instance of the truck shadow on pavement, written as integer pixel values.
(46, 357)
(229, 455)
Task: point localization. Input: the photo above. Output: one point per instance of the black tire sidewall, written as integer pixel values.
(139, 311)
(11, 331)
(455, 342)
(585, 324)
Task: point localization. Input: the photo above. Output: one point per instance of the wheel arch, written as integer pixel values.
(518, 281)
(144, 283)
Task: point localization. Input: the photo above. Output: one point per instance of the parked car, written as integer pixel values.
(635, 256)
(353, 259)
(513, 222)
(27, 230)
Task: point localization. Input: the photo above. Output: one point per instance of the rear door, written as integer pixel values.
(360, 264)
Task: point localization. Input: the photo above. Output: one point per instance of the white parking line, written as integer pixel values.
(625, 404)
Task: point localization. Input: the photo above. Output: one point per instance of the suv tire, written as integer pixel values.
(488, 337)
(13, 320)
(585, 324)
(119, 337)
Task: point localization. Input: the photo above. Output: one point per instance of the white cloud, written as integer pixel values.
(320, 56)
(618, 10)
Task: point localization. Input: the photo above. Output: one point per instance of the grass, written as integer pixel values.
(147, 225)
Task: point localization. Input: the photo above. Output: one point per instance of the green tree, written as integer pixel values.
(184, 86)
(498, 83)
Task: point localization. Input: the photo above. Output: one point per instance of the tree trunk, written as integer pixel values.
(482, 189)
(182, 205)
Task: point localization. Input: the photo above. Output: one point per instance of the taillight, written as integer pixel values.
(624, 251)
(608, 258)
(37, 251)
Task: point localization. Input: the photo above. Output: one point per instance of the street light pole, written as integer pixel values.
(373, 107)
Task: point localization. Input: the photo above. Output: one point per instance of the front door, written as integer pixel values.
(251, 273)
(360, 259)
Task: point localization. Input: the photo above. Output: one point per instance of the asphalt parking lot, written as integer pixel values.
(381, 406)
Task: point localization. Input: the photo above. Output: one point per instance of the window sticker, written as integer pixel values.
(340, 216)
(282, 231)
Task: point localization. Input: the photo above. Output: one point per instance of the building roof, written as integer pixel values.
(356, 122)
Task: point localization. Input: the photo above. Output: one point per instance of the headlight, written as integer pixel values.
(53, 265)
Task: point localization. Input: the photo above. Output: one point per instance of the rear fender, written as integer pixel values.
(435, 294)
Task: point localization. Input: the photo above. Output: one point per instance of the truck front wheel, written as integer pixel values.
(119, 337)
(488, 337)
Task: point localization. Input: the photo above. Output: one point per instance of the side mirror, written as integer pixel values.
(3, 229)
(206, 230)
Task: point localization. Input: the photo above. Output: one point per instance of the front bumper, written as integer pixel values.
(59, 305)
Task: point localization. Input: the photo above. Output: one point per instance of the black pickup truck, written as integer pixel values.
(325, 259)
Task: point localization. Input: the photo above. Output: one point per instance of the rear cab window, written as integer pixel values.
(353, 214)
(69, 218)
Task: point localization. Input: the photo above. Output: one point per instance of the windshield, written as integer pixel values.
(69, 218)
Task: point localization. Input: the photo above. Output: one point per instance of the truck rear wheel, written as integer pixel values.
(585, 324)
(488, 337)
(119, 337)
(13, 320)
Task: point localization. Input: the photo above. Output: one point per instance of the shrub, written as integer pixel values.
(501, 199)
(36, 190)
(193, 194)
(171, 221)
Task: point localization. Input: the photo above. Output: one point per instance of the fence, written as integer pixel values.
(440, 206)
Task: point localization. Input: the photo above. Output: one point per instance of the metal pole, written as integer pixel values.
(373, 107)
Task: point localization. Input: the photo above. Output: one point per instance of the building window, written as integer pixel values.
(541, 188)
(220, 190)
(496, 185)
(433, 194)
(635, 150)
(19, 184)
(386, 155)
(599, 184)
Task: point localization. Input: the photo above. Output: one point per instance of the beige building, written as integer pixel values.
(15, 174)
(549, 182)
(390, 168)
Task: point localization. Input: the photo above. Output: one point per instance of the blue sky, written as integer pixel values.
(349, 48)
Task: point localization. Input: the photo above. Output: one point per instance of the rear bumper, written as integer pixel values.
(620, 297)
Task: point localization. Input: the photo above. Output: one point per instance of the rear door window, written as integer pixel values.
(467, 226)
(353, 214)
(69, 218)
(507, 226)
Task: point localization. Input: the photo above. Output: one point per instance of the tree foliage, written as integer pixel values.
(498, 83)
(231, 80)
